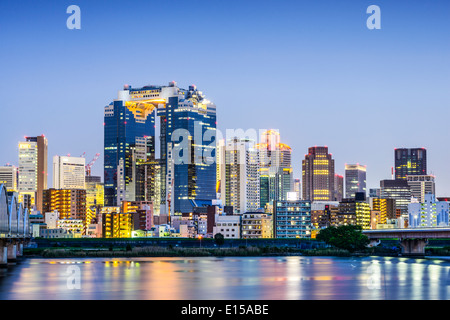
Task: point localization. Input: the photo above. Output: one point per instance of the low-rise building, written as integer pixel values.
(228, 225)
(256, 225)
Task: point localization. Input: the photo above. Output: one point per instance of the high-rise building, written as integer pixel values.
(69, 172)
(318, 175)
(398, 190)
(292, 219)
(429, 213)
(33, 169)
(355, 179)
(129, 138)
(359, 207)
(239, 180)
(116, 224)
(409, 162)
(421, 185)
(276, 174)
(386, 208)
(8, 177)
(338, 193)
(95, 198)
(70, 203)
(187, 148)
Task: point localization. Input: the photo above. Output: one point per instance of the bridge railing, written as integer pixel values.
(14, 219)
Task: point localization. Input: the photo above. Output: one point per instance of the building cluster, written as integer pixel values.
(165, 175)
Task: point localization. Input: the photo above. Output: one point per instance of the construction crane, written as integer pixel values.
(83, 155)
(90, 164)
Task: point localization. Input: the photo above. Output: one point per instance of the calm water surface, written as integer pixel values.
(248, 278)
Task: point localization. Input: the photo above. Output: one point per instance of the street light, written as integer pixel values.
(200, 237)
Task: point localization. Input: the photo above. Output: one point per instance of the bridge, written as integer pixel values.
(14, 227)
(412, 240)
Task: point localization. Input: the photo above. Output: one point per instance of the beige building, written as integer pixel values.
(256, 225)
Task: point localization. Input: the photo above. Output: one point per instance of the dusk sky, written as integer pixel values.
(311, 69)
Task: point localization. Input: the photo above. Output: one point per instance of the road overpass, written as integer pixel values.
(14, 227)
(412, 240)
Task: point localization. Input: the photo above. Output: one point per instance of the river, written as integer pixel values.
(246, 278)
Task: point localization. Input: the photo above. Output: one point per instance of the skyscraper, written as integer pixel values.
(129, 138)
(187, 148)
(338, 187)
(318, 175)
(69, 172)
(33, 168)
(185, 170)
(276, 177)
(355, 179)
(410, 162)
(239, 180)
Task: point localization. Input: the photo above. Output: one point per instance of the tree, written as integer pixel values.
(344, 237)
(219, 239)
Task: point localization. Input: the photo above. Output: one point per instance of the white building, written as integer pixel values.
(238, 163)
(229, 226)
(28, 164)
(69, 172)
(8, 177)
(51, 219)
(420, 185)
(430, 213)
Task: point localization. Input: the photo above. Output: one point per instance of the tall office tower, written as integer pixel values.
(187, 125)
(429, 213)
(292, 219)
(338, 193)
(421, 185)
(71, 204)
(398, 190)
(187, 149)
(33, 169)
(355, 179)
(276, 178)
(129, 138)
(318, 175)
(239, 162)
(69, 172)
(8, 177)
(410, 162)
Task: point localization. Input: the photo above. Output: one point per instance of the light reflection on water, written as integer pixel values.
(247, 278)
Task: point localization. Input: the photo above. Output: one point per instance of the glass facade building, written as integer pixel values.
(410, 162)
(129, 134)
(355, 179)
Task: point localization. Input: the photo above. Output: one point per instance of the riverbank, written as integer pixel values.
(242, 251)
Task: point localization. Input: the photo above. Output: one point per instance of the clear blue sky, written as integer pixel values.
(311, 69)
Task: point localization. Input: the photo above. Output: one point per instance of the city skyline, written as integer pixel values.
(313, 73)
